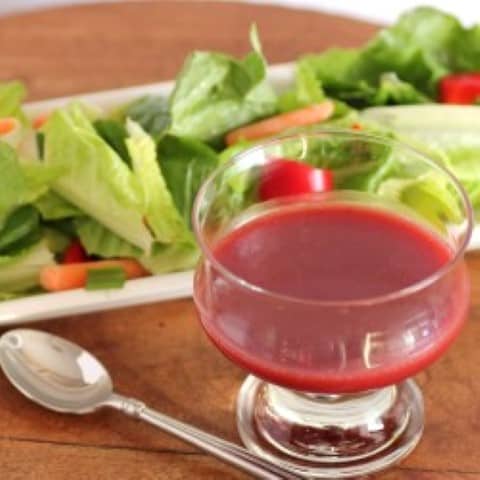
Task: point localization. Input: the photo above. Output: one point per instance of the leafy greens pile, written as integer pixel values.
(401, 64)
(123, 182)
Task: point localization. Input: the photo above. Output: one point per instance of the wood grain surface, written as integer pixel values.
(158, 352)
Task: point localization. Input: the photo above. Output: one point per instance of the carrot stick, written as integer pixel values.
(40, 121)
(7, 125)
(316, 113)
(74, 275)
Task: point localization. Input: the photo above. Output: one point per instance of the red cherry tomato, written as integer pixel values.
(284, 177)
(460, 88)
(74, 253)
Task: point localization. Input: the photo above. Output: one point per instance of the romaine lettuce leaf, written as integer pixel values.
(4, 296)
(185, 164)
(447, 133)
(307, 89)
(22, 136)
(352, 162)
(418, 48)
(39, 178)
(20, 230)
(393, 91)
(234, 150)
(95, 179)
(336, 71)
(215, 93)
(20, 271)
(151, 112)
(466, 48)
(401, 64)
(21, 184)
(339, 72)
(64, 226)
(428, 195)
(14, 136)
(13, 184)
(174, 248)
(114, 133)
(11, 97)
(161, 213)
(54, 207)
(56, 240)
(170, 258)
(98, 240)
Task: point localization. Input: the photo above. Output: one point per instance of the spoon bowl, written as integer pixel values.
(54, 372)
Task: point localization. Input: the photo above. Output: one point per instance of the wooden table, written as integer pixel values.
(158, 352)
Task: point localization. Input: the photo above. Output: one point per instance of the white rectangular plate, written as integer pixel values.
(143, 290)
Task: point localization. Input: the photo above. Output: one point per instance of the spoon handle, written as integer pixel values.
(222, 449)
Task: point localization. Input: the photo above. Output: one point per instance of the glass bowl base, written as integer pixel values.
(330, 436)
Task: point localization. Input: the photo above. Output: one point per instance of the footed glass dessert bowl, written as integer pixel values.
(332, 272)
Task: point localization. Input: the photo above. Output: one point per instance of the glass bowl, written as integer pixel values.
(330, 352)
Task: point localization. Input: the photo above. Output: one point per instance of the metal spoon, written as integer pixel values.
(61, 376)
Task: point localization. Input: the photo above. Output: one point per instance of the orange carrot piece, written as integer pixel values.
(316, 113)
(7, 124)
(40, 121)
(74, 275)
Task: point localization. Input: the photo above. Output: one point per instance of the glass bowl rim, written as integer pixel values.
(365, 301)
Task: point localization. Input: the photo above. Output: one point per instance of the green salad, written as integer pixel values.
(89, 198)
